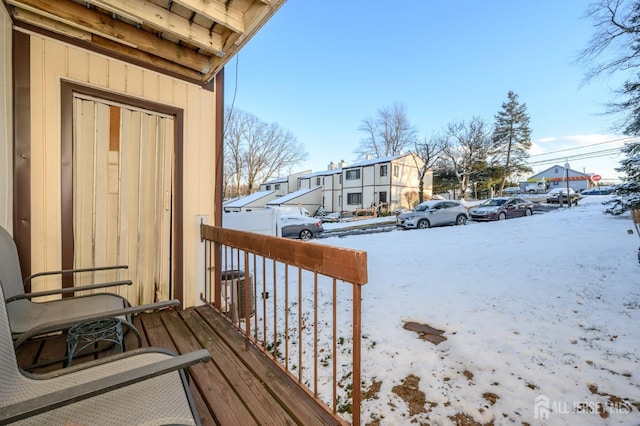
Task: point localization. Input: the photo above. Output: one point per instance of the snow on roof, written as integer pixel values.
(276, 180)
(374, 161)
(291, 196)
(243, 201)
(322, 173)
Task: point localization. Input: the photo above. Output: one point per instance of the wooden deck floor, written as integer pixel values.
(238, 387)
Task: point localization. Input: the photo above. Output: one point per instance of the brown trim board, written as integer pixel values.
(22, 151)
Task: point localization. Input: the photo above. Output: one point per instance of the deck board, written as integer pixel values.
(240, 386)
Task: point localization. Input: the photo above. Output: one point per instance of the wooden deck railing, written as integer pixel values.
(303, 308)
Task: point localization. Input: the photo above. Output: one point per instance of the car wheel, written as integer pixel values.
(423, 224)
(461, 219)
(502, 216)
(305, 234)
(528, 212)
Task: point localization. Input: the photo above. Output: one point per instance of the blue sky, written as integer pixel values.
(319, 68)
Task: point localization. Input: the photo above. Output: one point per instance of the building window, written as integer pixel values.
(396, 171)
(340, 179)
(383, 197)
(268, 187)
(277, 187)
(354, 198)
(383, 170)
(317, 181)
(353, 175)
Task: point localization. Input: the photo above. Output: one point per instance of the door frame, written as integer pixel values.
(67, 90)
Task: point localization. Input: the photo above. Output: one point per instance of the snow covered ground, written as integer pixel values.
(541, 317)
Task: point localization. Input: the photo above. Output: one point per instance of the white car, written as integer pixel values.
(434, 213)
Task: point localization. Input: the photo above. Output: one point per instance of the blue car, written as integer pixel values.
(599, 190)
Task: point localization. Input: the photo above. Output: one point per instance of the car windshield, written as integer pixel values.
(494, 202)
(423, 207)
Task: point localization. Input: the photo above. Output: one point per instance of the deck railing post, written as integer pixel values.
(217, 275)
(357, 336)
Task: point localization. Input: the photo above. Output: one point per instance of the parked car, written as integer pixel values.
(560, 194)
(512, 190)
(598, 190)
(434, 213)
(500, 208)
(300, 227)
(536, 187)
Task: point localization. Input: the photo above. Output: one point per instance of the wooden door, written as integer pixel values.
(122, 193)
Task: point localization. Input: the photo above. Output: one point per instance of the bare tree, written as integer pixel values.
(389, 133)
(467, 150)
(429, 152)
(257, 151)
(233, 153)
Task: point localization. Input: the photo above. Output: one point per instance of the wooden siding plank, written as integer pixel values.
(134, 83)
(116, 76)
(97, 72)
(256, 397)
(77, 66)
(55, 60)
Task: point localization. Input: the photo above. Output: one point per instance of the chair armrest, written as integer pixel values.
(64, 290)
(52, 326)
(51, 401)
(73, 271)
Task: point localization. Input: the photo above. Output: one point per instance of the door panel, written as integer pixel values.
(122, 186)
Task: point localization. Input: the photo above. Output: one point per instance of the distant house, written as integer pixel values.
(308, 198)
(283, 185)
(331, 182)
(377, 181)
(556, 176)
(257, 200)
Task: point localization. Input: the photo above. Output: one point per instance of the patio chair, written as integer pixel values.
(28, 318)
(142, 386)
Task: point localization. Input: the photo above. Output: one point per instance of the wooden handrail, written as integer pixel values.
(343, 264)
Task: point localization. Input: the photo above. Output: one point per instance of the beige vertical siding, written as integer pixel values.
(6, 120)
(52, 61)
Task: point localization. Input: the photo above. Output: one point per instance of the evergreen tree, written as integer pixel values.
(511, 139)
(628, 193)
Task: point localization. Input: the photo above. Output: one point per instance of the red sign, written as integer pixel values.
(596, 178)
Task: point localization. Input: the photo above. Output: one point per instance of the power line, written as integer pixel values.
(584, 146)
(581, 156)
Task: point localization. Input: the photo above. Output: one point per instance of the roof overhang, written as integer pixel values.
(191, 39)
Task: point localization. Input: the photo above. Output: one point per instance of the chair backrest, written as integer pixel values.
(10, 376)
(10, 273)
